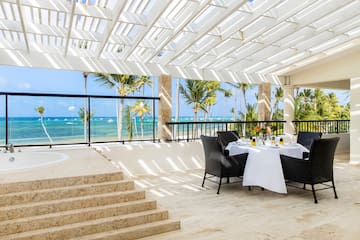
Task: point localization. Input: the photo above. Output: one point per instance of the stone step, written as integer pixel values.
(64, 192)
(135, 232)
(59, 182)
(91, 227)
(74, 216)
(59, 205)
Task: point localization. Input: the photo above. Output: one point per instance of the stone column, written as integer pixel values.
(165, 107)
(264, 97)
(289, 110)
(355, 120)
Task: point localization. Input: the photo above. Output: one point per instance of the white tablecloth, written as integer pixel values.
(292, 149)
(263, 166)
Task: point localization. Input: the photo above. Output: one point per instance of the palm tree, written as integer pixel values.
(85, 75)
(233, 109)
(129, 126)
(297, 105)
(141, 109)
(307, 95)
(334, 107)
(85, 117)
(322, 105)
(142, 82)
(196, 93)
(251, 115)
(213, 87)
(316, 98)
(228, 94)
(279, 95)
(278, 114)
(345, 113)
(125, 85)
(41, 110)
(209, 102)
(304, 107)
(243, 87)
(251, 112)
(312, 104)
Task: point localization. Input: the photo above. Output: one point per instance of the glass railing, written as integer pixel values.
(56, 119)
(2, 120)
(32, 119)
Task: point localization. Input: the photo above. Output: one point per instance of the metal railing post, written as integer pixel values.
(154, 125)
(88, 121)
(187, 139)
(6, 121)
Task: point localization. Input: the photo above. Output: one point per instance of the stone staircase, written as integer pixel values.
(103, 206)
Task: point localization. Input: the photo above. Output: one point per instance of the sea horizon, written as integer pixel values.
(70, 129)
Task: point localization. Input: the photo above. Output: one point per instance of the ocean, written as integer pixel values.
(28, 130)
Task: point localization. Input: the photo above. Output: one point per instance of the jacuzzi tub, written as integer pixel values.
(28, 160)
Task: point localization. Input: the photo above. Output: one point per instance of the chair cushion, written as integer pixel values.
(224, 138)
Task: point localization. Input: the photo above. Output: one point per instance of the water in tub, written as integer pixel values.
(22, 160)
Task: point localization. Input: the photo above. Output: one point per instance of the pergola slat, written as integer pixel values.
(204, 39)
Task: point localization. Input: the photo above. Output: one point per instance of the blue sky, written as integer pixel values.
(34, 80)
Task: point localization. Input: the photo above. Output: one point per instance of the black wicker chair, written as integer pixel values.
(306, 139)
(219, 165)
(226, 137)
(317, 170)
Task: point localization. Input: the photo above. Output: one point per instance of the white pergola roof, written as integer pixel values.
(227, 40)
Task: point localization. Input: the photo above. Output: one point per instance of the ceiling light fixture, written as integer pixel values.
(121, 48)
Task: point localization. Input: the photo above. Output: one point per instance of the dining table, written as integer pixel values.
(263, 166)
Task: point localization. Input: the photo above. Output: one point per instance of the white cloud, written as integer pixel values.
(71, 108)
(24, 85)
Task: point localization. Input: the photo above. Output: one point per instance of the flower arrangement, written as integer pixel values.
(257, 130)
(265, 130)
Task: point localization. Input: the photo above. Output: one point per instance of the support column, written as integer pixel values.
(289, 110)
(165, 107)
(264, 97)
(355, 120)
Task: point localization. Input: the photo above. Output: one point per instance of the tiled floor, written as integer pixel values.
(234, 214)
(241, 214)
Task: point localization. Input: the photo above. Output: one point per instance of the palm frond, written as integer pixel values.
(104, 79)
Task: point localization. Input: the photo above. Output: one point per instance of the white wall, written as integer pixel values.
(154, 158)
(344, 142)
(344, 66)
(342, 147)
(355, 120)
